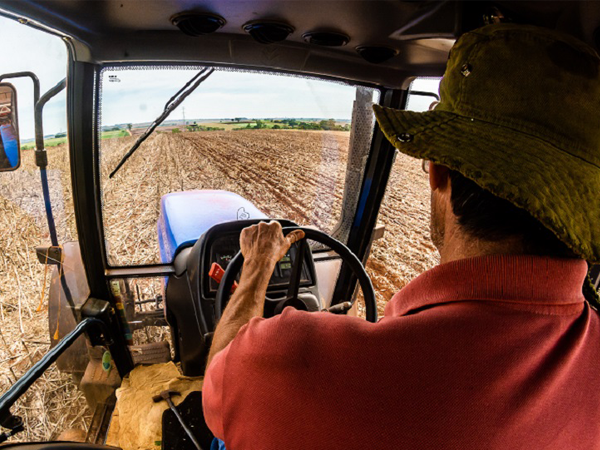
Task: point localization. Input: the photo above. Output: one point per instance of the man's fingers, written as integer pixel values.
(249, 231)
(248, 235)
(295, 236)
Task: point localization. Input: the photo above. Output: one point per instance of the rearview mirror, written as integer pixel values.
(10, 148)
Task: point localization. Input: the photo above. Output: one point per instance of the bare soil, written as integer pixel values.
(287, 174)
(297, 175)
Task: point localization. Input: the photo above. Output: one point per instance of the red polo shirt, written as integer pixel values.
(498, 352)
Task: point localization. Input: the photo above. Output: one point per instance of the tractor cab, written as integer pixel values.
(138, 139)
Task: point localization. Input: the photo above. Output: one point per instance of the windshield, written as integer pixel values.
(288, 145)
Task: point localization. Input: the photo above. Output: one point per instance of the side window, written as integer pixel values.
(406, 250)
(422, 93)
(28, 289)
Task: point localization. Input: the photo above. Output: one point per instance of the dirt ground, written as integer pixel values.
(53, 403)
(298, 175)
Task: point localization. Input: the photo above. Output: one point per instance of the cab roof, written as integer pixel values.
(418, 33)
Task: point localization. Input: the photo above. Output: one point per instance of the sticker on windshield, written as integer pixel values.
(242, 214)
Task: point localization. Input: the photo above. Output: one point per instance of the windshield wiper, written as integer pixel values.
(170, 106)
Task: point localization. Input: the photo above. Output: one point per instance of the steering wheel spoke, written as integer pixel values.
(296, 275)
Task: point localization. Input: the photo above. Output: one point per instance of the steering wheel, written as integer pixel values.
(344, 252)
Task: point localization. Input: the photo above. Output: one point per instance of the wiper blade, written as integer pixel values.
(170, 106)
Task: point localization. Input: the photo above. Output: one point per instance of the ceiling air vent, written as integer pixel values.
(326, 38)
(376, 55)
(268, 32)
(197, 24)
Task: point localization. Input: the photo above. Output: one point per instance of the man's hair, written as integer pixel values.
(484, 216)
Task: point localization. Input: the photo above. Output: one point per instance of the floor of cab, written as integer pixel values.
(137, 419)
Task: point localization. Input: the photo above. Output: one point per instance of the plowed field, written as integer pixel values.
(298, 175)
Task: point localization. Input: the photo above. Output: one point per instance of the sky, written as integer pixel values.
(135, 96)
(27, 49)
(422, 102)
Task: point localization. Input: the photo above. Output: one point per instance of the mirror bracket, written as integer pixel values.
(41, 158)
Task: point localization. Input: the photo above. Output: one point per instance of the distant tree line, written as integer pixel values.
(295, 124)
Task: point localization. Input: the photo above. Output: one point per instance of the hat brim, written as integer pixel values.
(555, 187)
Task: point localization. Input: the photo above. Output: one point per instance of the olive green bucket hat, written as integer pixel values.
(519, 115)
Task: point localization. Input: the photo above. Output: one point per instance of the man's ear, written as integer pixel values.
(439, 177)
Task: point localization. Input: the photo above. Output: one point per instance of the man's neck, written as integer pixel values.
(459, 245)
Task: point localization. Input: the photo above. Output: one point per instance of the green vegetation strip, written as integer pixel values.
(53, 142)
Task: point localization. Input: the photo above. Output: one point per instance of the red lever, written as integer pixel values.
(216, 272)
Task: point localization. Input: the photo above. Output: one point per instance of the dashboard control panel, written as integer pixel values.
(225, 247)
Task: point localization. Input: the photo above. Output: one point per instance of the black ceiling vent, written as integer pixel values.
(197, 24)
(268, 32)
(326, 38)
(376, 55)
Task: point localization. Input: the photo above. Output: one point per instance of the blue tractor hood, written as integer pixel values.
(185, 216)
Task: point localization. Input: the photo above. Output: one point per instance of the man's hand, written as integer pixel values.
(262, 246)
(265, 243)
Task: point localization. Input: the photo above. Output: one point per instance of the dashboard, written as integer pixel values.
(223, 248)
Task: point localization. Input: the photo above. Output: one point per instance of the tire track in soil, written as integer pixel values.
(297, 174)
(249, 175)
(243, 166)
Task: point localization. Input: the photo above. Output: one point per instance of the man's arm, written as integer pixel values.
(262, 245)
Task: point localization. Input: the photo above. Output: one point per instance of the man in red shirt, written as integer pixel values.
(498, 346)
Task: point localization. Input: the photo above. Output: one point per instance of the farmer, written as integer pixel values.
(497, 347)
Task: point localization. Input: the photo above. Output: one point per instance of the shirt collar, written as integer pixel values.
(504, 278)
